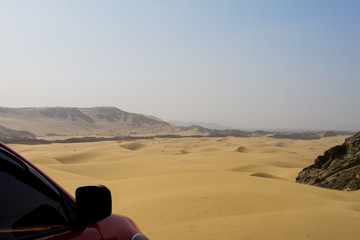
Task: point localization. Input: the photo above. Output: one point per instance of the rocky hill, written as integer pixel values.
(338, 168)
(99, 121)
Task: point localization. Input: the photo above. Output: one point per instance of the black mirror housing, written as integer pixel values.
(93, 203)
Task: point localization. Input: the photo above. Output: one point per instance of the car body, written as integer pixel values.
(33, 206)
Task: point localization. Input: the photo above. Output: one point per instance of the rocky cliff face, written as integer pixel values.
(338, 168)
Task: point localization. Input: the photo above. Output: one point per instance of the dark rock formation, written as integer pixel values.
(338, 168)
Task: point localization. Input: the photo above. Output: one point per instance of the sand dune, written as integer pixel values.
(209, 188)
(264, 175)
(132, 146)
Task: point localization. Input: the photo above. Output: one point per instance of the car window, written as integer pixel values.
(28, 205)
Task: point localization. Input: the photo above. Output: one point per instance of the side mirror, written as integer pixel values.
(93, 203)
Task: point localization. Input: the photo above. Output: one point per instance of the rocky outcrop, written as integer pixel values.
(338, 168)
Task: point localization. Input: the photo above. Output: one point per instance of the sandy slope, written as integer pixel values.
(209, 188)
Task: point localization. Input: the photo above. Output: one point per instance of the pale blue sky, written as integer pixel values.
(244, 64)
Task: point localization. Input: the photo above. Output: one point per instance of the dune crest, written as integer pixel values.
(264, 175)
(132, 146)
(242, 149)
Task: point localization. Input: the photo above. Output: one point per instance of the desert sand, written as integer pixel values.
(208, 188)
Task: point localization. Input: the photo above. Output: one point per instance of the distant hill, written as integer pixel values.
(338, 168)
(98, 121)
(112, 122)
(310, 135)
(213, 126)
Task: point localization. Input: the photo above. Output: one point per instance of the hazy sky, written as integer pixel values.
(244, 64)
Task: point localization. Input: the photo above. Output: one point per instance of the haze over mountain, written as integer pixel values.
(209, 125)
(96, 121)
(103, 121)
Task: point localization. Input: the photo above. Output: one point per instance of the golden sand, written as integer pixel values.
(209, 188)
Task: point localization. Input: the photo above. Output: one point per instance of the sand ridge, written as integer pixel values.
(205, 188)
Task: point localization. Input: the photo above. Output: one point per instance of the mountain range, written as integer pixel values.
(113, 122)
(208, 125)
(97, 121)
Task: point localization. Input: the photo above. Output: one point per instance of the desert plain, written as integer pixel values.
(208, 188)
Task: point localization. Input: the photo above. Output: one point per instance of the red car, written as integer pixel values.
(33, 206)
